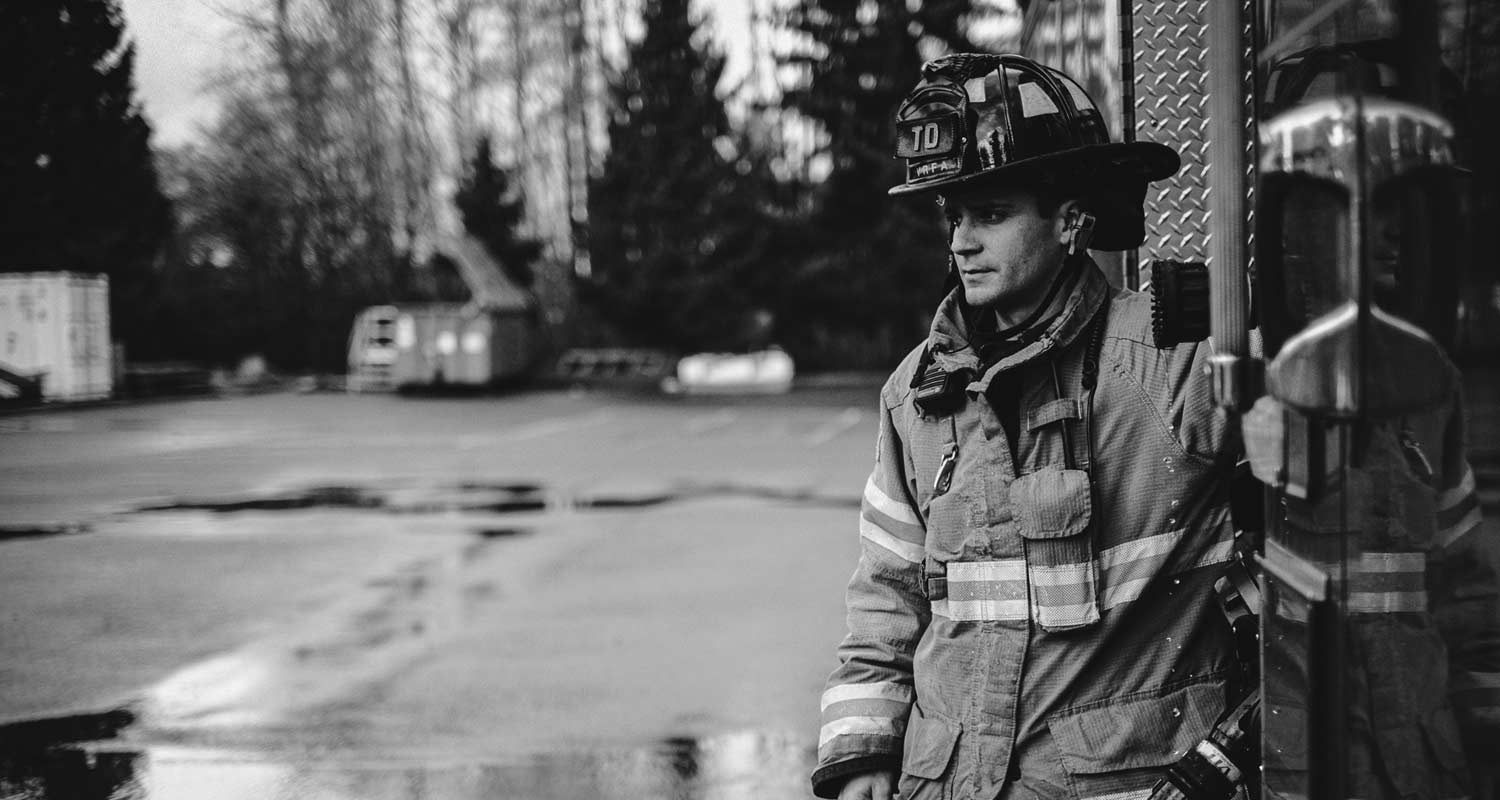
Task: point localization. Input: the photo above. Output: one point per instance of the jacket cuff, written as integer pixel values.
(828, 781)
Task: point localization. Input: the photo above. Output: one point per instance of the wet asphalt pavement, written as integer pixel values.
(536, 595)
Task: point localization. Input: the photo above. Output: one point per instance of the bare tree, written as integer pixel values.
(415, 142)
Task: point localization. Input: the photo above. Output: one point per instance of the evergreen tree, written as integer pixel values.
(874, 264)
(490, 216)
(677, 244)
(78, 188)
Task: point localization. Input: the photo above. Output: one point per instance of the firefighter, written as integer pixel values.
(1033, 611)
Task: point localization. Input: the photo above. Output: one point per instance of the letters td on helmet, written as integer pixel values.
(977, 118)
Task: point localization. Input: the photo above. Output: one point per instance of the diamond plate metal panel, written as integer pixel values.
(1249, 99)
(1171, 107)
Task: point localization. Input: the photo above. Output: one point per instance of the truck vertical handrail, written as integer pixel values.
(1230, 147)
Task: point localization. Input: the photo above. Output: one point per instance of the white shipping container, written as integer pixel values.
(57, 323)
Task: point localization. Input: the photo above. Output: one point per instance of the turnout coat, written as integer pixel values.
(1020, 626)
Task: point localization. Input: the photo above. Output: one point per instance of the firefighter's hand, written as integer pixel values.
(875, 785)
(1264, 430)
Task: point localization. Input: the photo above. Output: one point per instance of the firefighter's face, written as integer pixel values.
(1316, 245)
(1383, 243)
(1006, 250)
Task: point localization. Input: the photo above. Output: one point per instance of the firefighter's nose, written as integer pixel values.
(962, 240)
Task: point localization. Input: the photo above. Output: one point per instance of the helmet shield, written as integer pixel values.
(932, 136)
(981, 118)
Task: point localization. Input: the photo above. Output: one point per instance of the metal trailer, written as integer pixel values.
(54, 336)
(495, 337)
(461, 345)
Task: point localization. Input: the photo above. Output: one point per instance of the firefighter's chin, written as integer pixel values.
(982, 287)
(1384, 285)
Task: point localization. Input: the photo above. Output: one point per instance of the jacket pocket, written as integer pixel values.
(1053, 508)
(1052, 503)
(929, 745)
(1137, 734)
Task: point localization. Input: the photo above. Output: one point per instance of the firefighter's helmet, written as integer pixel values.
(976, 118)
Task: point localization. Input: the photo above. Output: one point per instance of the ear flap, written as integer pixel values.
(1119, 212)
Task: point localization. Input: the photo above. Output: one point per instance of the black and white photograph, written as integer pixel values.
(749, 400)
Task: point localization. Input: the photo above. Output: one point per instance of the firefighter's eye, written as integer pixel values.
(990, 214)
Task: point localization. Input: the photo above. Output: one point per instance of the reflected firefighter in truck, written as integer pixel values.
(1397, 522)
(1033, 612)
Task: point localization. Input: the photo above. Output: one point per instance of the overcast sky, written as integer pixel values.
(180, 43)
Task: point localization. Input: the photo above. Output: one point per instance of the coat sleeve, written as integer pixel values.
(869, 696)
(1467, 596)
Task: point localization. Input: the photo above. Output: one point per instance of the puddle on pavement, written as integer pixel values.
(634, 501)
(507, 497)
(501, 533)
(514, 488)
(36, 761)
(314, 497)
(733, 766)
(40, 531)
(491, 498)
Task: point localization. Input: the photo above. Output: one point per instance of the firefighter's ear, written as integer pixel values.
(1067, 211)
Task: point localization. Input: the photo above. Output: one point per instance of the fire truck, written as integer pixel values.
(1335, 154)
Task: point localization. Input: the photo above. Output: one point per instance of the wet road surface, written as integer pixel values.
(547, 595)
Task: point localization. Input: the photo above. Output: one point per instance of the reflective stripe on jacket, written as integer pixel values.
(1024, 620)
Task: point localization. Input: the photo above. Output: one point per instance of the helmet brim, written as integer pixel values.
(1112, 162)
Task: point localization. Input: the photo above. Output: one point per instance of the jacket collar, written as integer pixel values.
(949, 339)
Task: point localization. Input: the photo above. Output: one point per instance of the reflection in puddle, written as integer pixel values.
(31, 768)
(736, 766)
(57, 774)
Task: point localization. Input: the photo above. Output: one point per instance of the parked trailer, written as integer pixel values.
(54, 329)
(440, 344)
(495, 337)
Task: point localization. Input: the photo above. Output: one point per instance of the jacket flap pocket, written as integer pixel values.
(1051, 503)
(1137, 734)
(929, 745)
